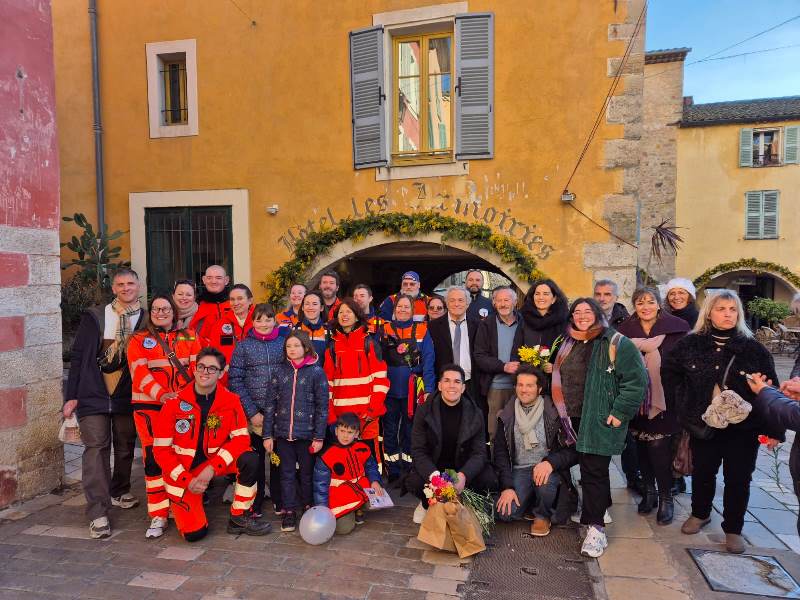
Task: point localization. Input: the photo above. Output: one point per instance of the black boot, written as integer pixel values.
(649, 499)
(666, 509)
(678, 485)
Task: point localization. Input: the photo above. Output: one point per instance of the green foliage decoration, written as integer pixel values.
(96, 258)
(401, 225)
(750, 264)
(769, 311)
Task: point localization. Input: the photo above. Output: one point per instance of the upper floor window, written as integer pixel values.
(172, 88)
(423, 97)
(769, 146)
(761, 215)
(440, 77)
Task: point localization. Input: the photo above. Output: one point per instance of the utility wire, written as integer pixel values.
(713, 54)
(239, 8)
(599, 119)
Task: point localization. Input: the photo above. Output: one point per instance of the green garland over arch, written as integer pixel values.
(747, 264)
(401, 225)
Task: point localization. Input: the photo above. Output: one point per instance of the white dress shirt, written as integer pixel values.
(464, 359)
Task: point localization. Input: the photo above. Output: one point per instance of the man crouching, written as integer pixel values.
(203, 434)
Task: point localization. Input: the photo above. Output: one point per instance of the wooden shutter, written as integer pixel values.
(791, 145)
(475, 88)
(368, 98)
(745, 147)
(769, 211)
(753, 215)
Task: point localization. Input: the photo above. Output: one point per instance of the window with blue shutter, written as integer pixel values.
(791, 145)
(475, 86)
(368, 98)
(745, 147)
(761, 215)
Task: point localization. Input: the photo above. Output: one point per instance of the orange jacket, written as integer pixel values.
(152, 372)
(357, 380)
(227, 333)
(177, 429)
(287, 318)
(207, 315)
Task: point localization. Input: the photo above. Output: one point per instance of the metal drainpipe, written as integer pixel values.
(98, 121)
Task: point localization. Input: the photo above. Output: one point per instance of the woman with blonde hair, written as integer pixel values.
(708, 365)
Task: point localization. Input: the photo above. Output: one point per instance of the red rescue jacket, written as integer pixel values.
(176, 432)
(152, 373)
(227, 333)
(348, 477)
(207, 315)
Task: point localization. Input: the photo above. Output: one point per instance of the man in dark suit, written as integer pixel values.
(456, 329)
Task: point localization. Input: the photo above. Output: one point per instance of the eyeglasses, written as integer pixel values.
(163, 310)
(211, 370)
(436, 308)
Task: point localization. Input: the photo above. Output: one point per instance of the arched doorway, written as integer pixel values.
(382, 265)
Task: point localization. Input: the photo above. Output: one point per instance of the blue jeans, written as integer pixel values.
(397, 436)
(541, 499)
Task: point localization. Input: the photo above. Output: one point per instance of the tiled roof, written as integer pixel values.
(741, 111)
(667, 55)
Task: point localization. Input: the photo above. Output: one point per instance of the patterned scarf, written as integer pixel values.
(573, 335)
(116, 350)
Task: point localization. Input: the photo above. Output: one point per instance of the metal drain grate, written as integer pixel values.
(518, 566)
(745, 574)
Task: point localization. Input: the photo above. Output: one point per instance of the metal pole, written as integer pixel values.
(97, 126)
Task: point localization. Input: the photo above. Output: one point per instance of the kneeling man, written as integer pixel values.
(203, 434)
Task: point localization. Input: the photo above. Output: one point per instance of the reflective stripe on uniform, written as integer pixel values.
(212, 450)
(152, 507)
(338, 482)
(340, 509)
(162, 441)
(154, 483)
(176, 472)
(184, 451)
(158, 362)
(174, 490)
(245, 491)
(381, 388)
(350, 401)
(225, 455)
(242, 504)
(242, 431)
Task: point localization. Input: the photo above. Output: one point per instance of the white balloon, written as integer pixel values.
(317, 525)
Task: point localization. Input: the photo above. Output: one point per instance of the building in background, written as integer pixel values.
(231, 131)
(738, 196)
(31, 457)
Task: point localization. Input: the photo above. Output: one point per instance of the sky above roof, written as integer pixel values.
(707, 26)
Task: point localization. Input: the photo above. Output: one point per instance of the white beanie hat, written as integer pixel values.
(684, 284)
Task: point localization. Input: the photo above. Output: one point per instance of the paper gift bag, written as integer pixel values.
(465, 529)
(434, 530)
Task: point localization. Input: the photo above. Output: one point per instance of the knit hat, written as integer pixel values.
(413, 275)
(684, 284)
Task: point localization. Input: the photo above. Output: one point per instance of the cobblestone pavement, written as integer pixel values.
(46, 553)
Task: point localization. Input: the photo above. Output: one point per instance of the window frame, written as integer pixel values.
(777, 144)
(762, 214)
(424, 155)
(159, 54)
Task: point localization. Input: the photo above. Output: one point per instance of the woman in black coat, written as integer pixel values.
(692, 374)
(655, 333)
(545, 312)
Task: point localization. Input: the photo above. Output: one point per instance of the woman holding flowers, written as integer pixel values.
(599, 382)
(654, 332)
(544, 318)
(408, 351)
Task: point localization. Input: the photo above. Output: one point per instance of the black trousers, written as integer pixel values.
(736, 452)
(596, 486)
(485, 481)
(295, 483)
(655, 462)
(630, 459)
(261, 476)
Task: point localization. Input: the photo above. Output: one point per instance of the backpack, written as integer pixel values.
(368, 343)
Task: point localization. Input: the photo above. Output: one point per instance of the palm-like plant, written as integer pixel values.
(96, 258)
(664, 241)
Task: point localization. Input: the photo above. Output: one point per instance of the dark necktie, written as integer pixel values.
(457, 342)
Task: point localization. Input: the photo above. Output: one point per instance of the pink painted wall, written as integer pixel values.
(29, 179)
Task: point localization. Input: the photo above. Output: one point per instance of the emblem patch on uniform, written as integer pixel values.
(185, 406)
(149, 343)
(483, 312)
(227, 328)
(182, 426)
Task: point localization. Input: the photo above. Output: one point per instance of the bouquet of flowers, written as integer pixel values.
(539, 355)
(455, 522)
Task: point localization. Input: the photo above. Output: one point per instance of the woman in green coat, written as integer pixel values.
(599, 383)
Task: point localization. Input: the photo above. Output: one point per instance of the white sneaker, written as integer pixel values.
(157, 527)
(595, 543)
(419, 514)
(576, 518)
(125, 501)
(99, 528)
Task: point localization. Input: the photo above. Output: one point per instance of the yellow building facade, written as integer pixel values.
(228, 133)
(738, 194)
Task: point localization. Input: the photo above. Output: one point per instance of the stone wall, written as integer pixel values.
(31, 457)
(663, 104)
(615, 259)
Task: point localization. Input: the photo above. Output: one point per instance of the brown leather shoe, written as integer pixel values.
(540, 527)
(734, 543)
(694, 524)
